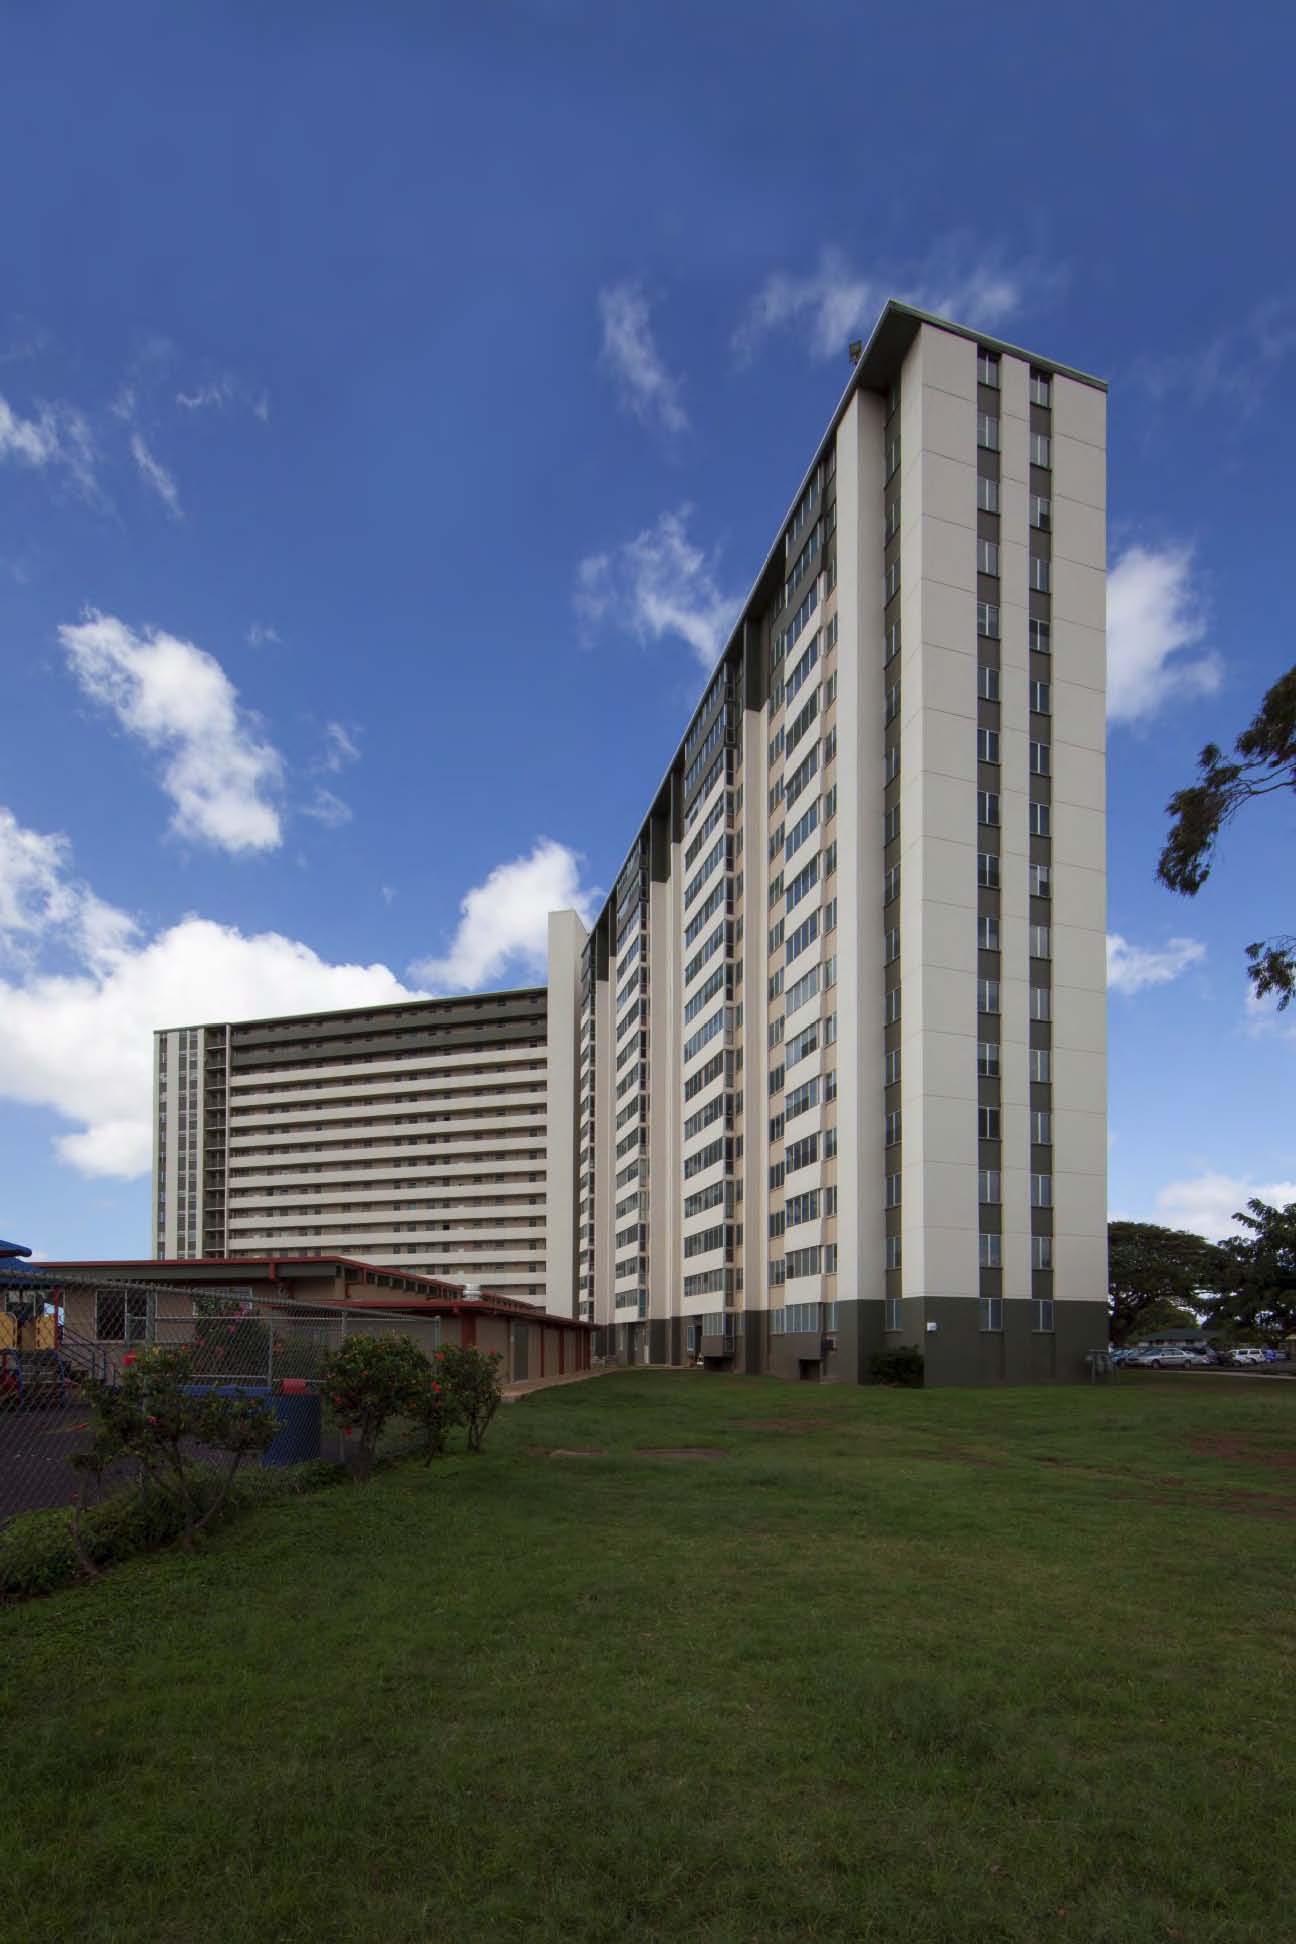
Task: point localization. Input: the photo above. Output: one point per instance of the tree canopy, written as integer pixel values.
(1147, 1266)
(1259, 1286)
(1264, 764)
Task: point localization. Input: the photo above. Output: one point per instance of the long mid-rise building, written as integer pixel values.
(842, 1018)
(435, 1135)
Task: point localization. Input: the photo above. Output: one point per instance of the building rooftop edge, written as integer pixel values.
(381, 1005)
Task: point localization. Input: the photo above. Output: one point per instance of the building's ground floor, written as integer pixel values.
(962, 1341)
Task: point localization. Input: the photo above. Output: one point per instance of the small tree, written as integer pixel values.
(368, 1381)
(154, 1416)
(472, 1378)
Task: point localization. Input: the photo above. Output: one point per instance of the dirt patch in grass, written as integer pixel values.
(1240, 1451)
(566, 1451)
(681, 1451)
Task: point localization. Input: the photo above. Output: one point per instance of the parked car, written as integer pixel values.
(1249, 1354)
(1166, 1356)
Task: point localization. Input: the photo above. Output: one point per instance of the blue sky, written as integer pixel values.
(395, 401)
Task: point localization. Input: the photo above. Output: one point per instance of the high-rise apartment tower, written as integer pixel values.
(842, 1056)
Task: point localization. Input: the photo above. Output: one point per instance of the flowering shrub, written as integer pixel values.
(366, 1382)
(153, 1417)
(435, 1409)
(472, 1379)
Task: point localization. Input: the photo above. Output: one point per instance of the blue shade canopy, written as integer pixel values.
(13, 1249)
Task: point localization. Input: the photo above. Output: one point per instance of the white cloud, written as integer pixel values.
(57, 436)
(328, 809)
(388, 893)
(156, 475)
(81, 1042)
(659, 583)
(1132, 968)
(631, 355)
(1206, 1203)
(835, 301)
(223, 391)
(340, 747)
(1155, 616)
(259, 635)
(505, 920)
(175, 697)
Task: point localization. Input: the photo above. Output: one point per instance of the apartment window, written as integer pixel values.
(1041, 512)
(891, 824)
(988, 1059)
(1039, 635)
(1041, 1252)
(891, 764)
(1039, 574)
(891, 884)
(1041, 881)
(988, 368)
(988, 684)
(1041, 698)
(891, 524)
(988, 433)
(988, 870)
(1041, 388)
(1041, 449)
(1041, 1003)
(1041, 1065)
(1042, 1314)
(991, 1254)
(891, 1067)
(987, 745)
(1042, 1130)
(891, 1191)
(1041, 1191)
(990, 1187)
(988, 1123)
(1041, 943)
(987, 995)
(991, 1309)
(891, 1006)
(1040, 819)
(894, 1313)
(988, 495)
(988, 807)
(988, 934)
(891, 642)
(988, 557)
(892, 706)
(891, 581)
(892, 1128)
(891, 946)
(893, 1251)
(1039, 759)
(988, 620)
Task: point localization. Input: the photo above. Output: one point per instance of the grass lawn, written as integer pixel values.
(957, 1666)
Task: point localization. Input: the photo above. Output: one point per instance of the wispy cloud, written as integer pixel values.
(217, 393)
(630, 353)
(660, 583)
(155, 474)
(1132, 968)
(57, 436)
(340, 747)
(1234, 367)
(328, 809)
(259, 635)
(174, 697)
(837, 301)
(504, 921)
(1156, 615)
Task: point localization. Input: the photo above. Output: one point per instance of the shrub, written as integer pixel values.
(154, 1416)
(366, 1382)
(434, 1409)
(472, 1378)
(902, 1365)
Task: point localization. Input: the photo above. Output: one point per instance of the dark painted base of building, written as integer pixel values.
(956, 1350)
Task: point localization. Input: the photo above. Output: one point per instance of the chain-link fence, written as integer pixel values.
(53, 1336)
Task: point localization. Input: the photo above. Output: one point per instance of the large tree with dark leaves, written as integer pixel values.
(1264, 764)
(1259, 1292)
(1147, 1265)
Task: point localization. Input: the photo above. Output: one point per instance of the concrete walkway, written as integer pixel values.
(526, 1385)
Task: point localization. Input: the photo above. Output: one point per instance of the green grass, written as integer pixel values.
(926, 1666)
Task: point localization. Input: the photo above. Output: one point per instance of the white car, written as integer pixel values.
(1249, 1356)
